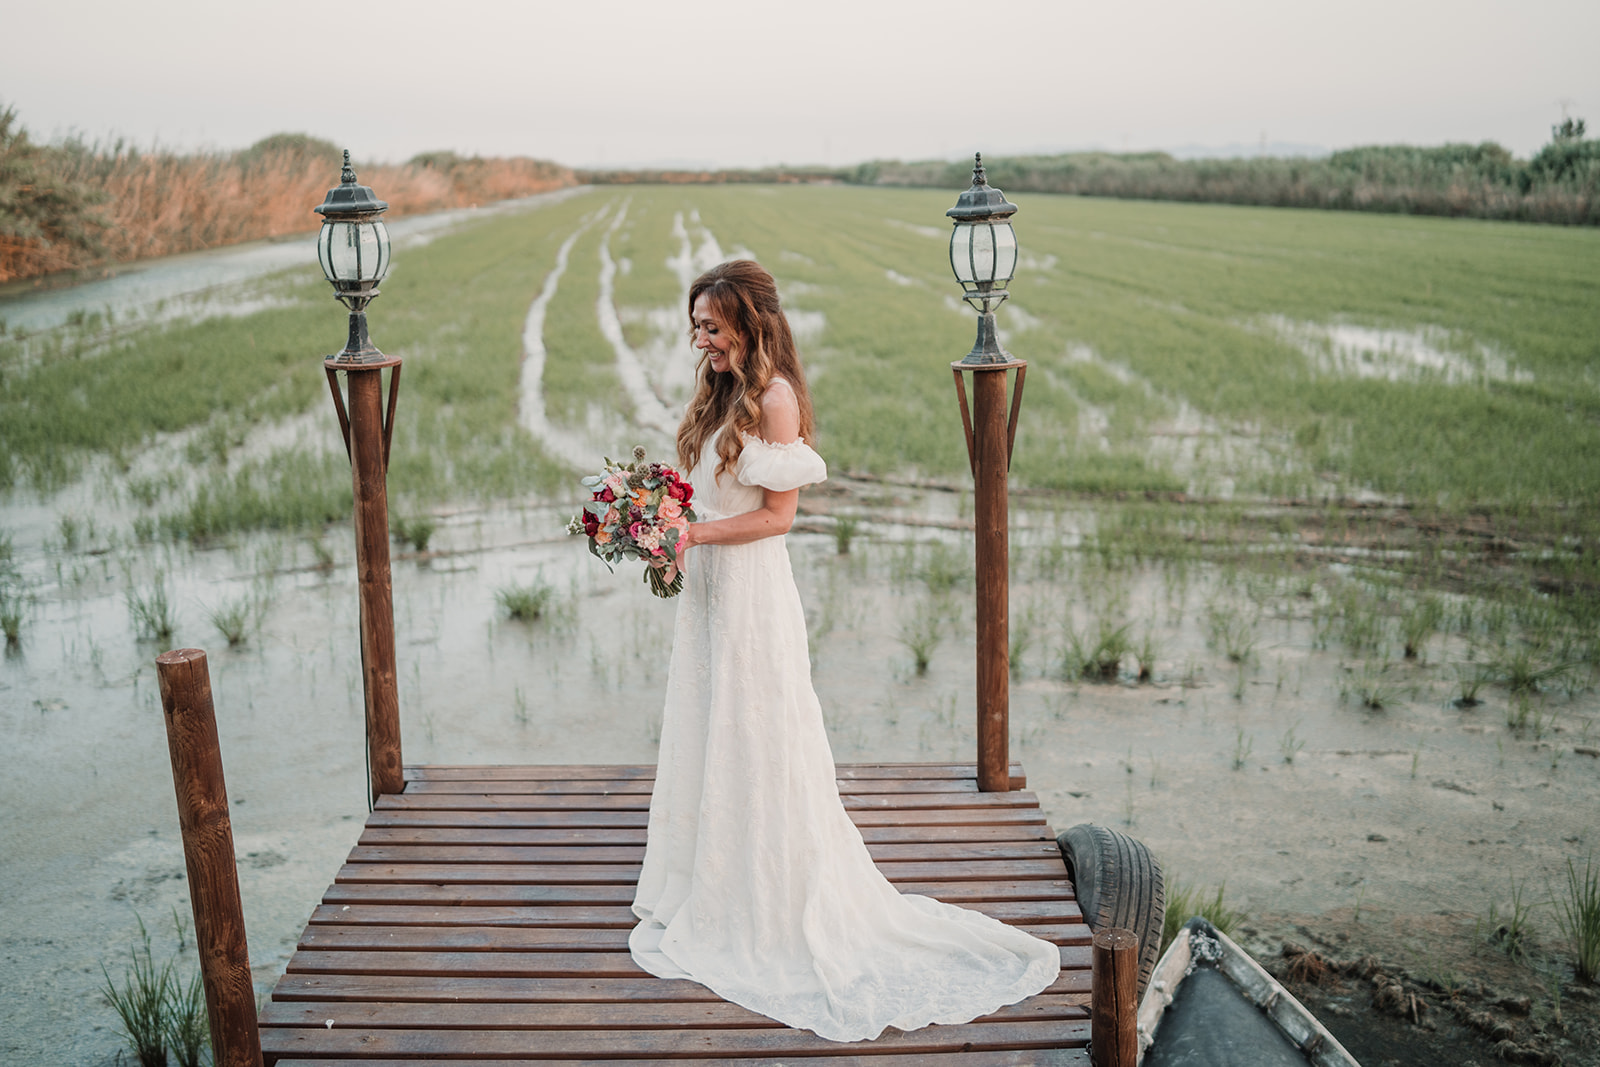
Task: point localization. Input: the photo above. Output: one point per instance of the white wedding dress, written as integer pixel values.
(755, 881)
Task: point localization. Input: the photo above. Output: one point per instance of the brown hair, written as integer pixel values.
(744, 299)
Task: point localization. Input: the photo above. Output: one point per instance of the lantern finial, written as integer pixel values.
(978, 177)
(347, 176)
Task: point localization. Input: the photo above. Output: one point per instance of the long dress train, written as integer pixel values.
(755, 881)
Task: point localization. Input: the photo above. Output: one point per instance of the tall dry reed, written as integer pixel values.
(160, 203)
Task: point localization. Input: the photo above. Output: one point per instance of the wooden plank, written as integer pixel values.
(340, 937)
(510, 787)
(1075, 1057)
(948, 817)
(574, 771)
(931, 851)
(607, 786)
(573, 916)
(335, 1041)
(570, 917)
(521, 820)
(503, 873)
(519, 964)
(529, 772)
(469, 989)
(515, 894)
(533, 818)
(710, 1015)
(427, 801)
(497, 835)
(421, 801)
(628, 873)
(492, 895)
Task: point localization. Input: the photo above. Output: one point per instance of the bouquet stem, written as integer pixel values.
(659, 584)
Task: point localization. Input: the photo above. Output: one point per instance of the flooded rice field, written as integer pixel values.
(1393, 742)
(1256, 753)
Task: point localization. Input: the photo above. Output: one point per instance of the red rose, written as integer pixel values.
(606, 494)
(681, 492)
(591, 525)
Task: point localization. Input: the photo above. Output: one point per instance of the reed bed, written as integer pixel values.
(78, 204)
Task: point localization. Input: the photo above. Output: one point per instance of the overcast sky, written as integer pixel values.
(806, 81)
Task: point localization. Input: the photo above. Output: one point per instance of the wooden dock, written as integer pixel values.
(484, 916)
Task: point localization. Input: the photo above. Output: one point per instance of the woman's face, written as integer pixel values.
(711, 335)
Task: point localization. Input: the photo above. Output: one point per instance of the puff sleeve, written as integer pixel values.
(778, 467)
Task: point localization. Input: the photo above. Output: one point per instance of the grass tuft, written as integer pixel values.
(11, 606)
(188, 1024)
(1578, 915)
(1184, 902)
(844, 531)
(141, 1002)
(236, 618)
(415, 530)
(152, 611)
(921, 631)
(527, 603)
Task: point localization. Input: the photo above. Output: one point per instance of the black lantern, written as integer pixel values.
(353, 249)
(983, 254)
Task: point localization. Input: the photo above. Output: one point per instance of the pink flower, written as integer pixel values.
(669, 509)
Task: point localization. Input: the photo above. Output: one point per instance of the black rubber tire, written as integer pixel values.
(1118, 884)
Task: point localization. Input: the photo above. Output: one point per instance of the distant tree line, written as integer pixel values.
(1560, 184)
(74, 204)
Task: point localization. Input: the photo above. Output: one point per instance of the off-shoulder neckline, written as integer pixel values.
(748, 438)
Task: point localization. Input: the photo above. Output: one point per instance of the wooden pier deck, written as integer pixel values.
(483, 917)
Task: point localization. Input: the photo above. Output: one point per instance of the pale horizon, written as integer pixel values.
(727, 84)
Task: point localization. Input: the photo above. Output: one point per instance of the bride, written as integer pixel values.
(755, 881)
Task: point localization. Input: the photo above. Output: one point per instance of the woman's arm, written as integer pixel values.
(780, 424)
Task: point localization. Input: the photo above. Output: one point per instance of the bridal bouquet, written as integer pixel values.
(638, 511)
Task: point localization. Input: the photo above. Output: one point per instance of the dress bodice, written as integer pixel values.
(761, 465)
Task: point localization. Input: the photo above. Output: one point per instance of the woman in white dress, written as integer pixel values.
(755, 881)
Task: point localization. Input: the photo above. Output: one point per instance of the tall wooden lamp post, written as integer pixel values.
(983, 254)
(353, 248)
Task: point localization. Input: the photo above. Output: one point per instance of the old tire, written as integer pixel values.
(1118, 884)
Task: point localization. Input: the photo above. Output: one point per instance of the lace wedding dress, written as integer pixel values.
(755, 881)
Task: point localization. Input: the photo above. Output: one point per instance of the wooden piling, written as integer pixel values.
(1114, 1012)
(369, 473)
(208, 855)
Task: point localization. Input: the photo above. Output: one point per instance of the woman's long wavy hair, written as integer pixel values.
(744, 299)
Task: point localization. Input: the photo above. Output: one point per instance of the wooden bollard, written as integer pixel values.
(1114, 1015)
(208, 854)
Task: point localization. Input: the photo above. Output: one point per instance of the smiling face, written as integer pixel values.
(711, 335)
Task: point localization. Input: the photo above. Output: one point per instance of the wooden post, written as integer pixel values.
(1114, 1011)
(368, 440)
(992, 462)
(208, 855)
(990, 433)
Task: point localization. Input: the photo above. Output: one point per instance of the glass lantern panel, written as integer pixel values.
(983, 251)
(961, 252)
(354, 251)
(324, 251)
(1005, 252)
(344, 251)
(380, 234)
